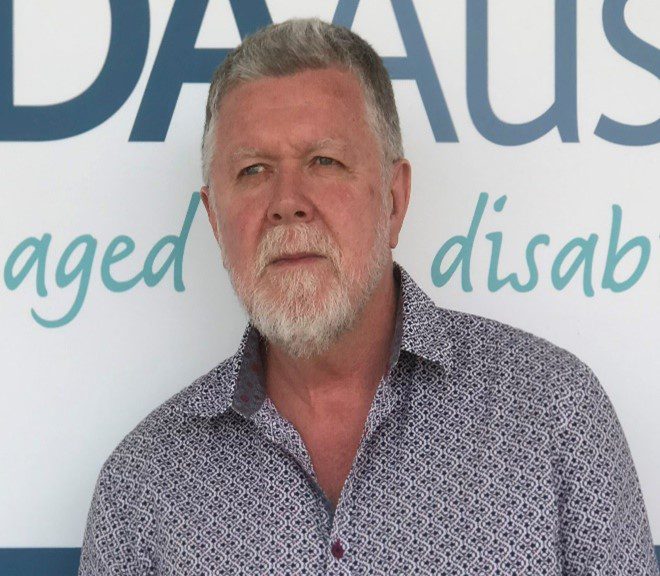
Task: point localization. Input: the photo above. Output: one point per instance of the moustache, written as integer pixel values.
(282, 242)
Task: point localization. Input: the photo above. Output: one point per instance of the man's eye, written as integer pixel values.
(325, 161)
(252, 170)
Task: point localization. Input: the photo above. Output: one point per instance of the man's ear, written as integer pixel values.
(212, 216)
(400, 197)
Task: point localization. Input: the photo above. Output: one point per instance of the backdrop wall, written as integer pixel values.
(532, 127)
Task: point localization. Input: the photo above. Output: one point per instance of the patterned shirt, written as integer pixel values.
(486, 451)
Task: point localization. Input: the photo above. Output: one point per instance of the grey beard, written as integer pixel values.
(295, 309)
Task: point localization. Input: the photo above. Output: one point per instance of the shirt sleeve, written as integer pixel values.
(604, 528)
(114, 540)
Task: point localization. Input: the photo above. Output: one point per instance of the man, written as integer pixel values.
(359, 429)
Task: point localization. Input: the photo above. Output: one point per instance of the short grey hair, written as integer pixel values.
(303, 44)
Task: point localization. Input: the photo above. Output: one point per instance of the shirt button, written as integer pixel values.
(337, 549)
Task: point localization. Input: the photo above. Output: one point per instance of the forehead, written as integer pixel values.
(312, 105)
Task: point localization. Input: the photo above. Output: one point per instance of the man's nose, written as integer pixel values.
(289, 202)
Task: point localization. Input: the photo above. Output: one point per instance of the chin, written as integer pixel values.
(301, 314)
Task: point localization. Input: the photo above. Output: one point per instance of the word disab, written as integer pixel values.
(575, 256)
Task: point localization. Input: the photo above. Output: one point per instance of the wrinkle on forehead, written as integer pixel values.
(334, 87)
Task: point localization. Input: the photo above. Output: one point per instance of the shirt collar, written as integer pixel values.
(420, 329)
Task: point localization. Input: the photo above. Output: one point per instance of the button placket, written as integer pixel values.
(381, 407)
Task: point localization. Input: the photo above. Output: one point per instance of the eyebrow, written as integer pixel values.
(245, 152)
(251, 152)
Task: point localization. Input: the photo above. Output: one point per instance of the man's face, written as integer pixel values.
(302, 212)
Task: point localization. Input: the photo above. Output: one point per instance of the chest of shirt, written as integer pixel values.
(446, 479)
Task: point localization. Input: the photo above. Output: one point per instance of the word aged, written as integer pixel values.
(70, 270)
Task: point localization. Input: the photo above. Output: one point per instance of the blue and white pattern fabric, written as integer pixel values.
(486, 451)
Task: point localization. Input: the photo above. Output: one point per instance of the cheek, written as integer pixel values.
(240, 233)
(355, 229)
(342, 203)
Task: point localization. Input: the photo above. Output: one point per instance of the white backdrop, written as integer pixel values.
(69, 394)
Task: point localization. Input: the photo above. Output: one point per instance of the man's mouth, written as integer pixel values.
(297, 258)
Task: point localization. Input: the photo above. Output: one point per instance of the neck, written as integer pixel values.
(349, 371)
